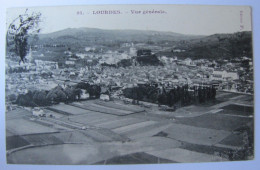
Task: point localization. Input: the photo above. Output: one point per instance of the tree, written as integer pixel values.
(94, 91)
(20, 30)
(72, 93)
(83, 85)
(26, 99)
(40, 98)
(56, 95)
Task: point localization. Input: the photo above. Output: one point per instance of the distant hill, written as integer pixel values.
(94, 35)
(217, 46)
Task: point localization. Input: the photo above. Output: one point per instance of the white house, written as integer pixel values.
(84, 95)
(69, 62)
(46, 64)
(38, 112)
(187, 61)
(104, 97)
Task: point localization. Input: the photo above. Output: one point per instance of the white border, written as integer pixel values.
(255, 4)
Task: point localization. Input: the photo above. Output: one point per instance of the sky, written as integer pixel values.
(185, 19)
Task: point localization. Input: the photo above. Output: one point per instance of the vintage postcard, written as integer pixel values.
(129, 84)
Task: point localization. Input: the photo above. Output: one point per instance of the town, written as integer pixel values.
(233, 76)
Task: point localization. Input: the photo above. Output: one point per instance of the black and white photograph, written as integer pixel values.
(129, 84)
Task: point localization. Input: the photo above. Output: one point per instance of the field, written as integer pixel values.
(27, 127)
(217, 121)
(108, 108)
(98, 132)
(119, 106)
(17, 113)
(71, 110)
(195, 135)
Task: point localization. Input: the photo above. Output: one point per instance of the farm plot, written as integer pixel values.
(65, 154)
(13, 142)
(98, 136)
(8, 133)
(226, 96)
(57, 138)
(70, 110)
(240, 113)
(156, 143)
(147, 131)
(119, 106)
(54, 154)
(183, 155)
(191, 111)
(92, 119)
(238, 110)
(135, 158)
(248, 99)
(195, 135)
(86, 153)
(103, 109)
(244, 98)
(233, 140)
(73, 137)
(54, 114)
(23, 126)
(131, 127)
(119, 122)
(216, 121)
(42, 139)
(221, 94)
(17, 113)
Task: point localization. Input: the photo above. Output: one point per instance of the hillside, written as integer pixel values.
(94, 35)
(217, 46)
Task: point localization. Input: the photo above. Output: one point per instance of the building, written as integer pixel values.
(46, 64)
(224, 75)
(38, 112)
(187, 61)
(132, 51)
(104, 97)
(69, 62)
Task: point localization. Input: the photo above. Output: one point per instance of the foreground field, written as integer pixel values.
(98, 132)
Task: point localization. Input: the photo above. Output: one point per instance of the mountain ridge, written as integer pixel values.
(127, 32)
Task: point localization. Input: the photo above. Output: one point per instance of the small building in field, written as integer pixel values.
(38, 112)
(104, 97)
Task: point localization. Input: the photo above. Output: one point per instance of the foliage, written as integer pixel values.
(125, 63)
(72, 93)
(11, 97)
(93, 90)
(57, 95)
(40, 98)
(144, 52)
(19, 31)
(83, 85)
(148, 60)
(45, 98)
(108, 65)
(178, 96)
(26, 100)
